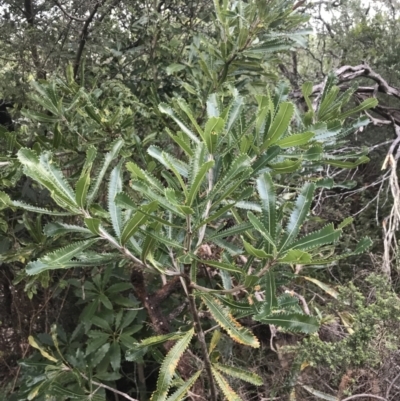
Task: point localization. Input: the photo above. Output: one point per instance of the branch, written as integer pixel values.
(202, 340)
(30, 19)
(84, 35)
(353, 397)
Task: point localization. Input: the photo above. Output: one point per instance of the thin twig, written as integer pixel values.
(202, 340)
(353, 397)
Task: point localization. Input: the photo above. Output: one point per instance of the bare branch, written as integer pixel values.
(84, 35)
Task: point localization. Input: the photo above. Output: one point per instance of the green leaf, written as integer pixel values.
(241, 374)
(115, 187)
(266, 191)
(287, 166)
(307, 89)
(197, 181)
(365, 105)
(138, 219)
(223, 317)
(98, 356)
(180, 394)
(219, 265)
(93, 225)
(166, 109)
(102, 323)
(115, 355)
(82, 187)
(258, 253)
(110, 156)
(296, 256)
(97, 339)
(167, 369)
(231, 231)
(40, 210)
(44, 171)
(52, 229)
(220, 212)
(293, 322)
(298, 215)
(295, 140)
(364, 244)
(269, 286)
(138, 173)
(261, 229)
(172, 68)
(344, 164)
(58, 258)
(279, 125)
(225, 387)
(213, 128)
(326, 235)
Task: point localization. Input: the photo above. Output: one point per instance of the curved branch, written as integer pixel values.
(84, 35)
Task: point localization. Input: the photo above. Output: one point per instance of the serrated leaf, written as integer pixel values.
(298, 215)
(231, 231)
(345, 222)
(167, 369)
(143, 175)
(327, 235)
(258, 253)
(180, 394)
(82, 187)
(362, 246)
(161, 199)
(216, 337)
(225, 387)
(296, 256)
(241, 374)
(294, 322)
(137, 220)
(295, 140)
(345, 164)
(234, 305)
(109, 157)
(224, 318)
(59, 258)
(57, 228)
(269, 286)
(220, 212)
(93, 225)
(261, 229)
(115, 187)
(197, 181)
(266, 192)
(279, 125)
(44, 171)
(166, 109)
(365, 105)
(287, 166)
(220, 265)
